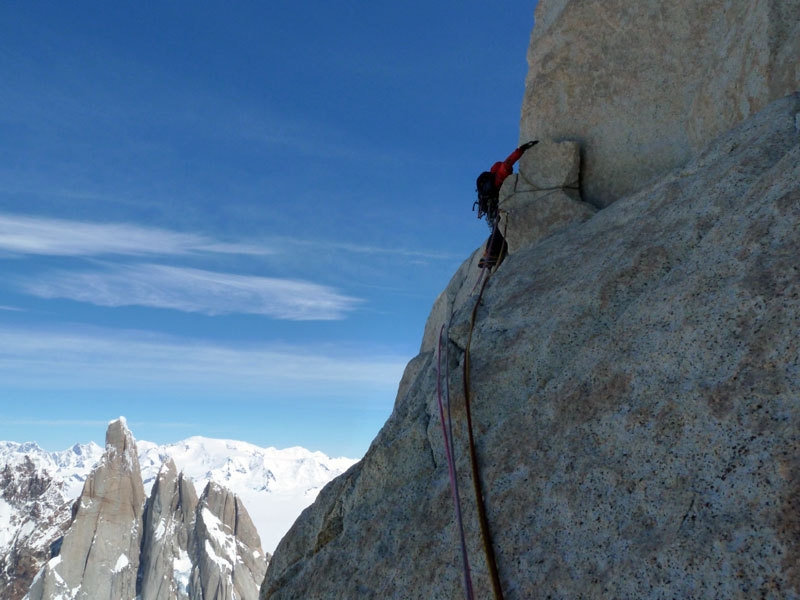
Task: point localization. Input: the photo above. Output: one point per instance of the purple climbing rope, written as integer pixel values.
(451, 465)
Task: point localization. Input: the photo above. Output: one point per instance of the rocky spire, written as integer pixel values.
(99, 556)
(168, 525)
(173, 547)
(226, 549)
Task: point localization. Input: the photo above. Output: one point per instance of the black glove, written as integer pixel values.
(524, 147)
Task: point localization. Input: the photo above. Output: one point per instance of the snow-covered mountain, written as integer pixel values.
(38, 490)
(275, 485)
(70, 466)
(33, 514)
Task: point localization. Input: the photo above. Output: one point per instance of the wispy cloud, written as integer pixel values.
(404, 253)
(101, 359)
(194, 290)
(33, 235)
(63, 237)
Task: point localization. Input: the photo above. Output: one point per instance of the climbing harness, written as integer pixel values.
(449, 453)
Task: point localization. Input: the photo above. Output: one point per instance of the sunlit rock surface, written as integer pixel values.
(636, 402)
(645, 86)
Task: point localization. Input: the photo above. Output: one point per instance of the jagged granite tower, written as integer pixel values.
(99, 557)
(168, 525)
(174, 546)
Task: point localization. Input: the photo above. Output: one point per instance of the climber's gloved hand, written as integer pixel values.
(524, 147)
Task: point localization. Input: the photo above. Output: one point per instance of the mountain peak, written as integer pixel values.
(118, 433)
(120, 441)
(100, 551)
(186, 548)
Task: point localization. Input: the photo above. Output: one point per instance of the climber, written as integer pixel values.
(488, 187)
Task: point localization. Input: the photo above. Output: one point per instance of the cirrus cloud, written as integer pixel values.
(194, 290)
(28, 235)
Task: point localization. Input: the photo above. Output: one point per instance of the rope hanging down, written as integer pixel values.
(488, 546)
(447, 431)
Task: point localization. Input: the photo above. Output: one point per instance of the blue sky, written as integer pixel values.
(232, 219)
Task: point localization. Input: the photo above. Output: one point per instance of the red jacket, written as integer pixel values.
(503, 169)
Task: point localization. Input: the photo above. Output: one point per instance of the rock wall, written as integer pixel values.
(544, 196)
(197, 548)
(169, 522)
(636, 404)
(644, 86)
(636, 373)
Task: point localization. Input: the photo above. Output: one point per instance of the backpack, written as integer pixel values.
(488, 195)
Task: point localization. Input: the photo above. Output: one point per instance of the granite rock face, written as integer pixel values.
(644, 86)
(99, 556)
(636, 405)
(198, 548)
(169, 523)
(544, 196)
(538, 201)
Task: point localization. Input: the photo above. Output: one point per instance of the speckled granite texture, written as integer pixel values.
(636, 401)
(645, 86)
